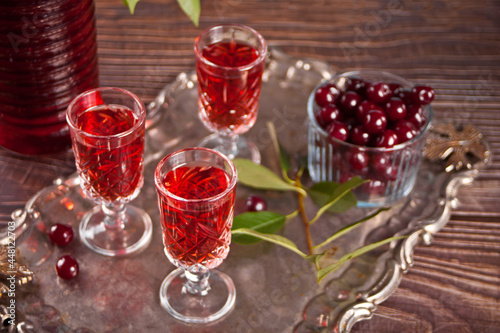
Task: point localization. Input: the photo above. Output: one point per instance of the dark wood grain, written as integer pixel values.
(453, 45)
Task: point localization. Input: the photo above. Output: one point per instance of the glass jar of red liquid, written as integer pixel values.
(48, 55)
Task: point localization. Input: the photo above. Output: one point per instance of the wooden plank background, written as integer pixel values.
(453, 45)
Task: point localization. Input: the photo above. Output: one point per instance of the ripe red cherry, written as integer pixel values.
(61, 234)
(338, 130)
(378, 92)
(375, 121)
(349, 102)
(67, 267)
(405, 95)
(358, 160)
(327, 114)
(350, 122)
(395, 109)
(380, 163)
(345, 176)
(327, 94)
(364, 107)
(359, 136)
(395, 87)
(416, 115)
(387, 139)
(405, 131)
(374, 187)
(422, 94)
(391, 173)
(356, 84)
(254, 203)
(384, 170)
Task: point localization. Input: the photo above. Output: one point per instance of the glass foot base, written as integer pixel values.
(134, 236)
(245, 148)
(196, 308)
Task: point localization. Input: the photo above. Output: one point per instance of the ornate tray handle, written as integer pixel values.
(361, 302)
(423, 233)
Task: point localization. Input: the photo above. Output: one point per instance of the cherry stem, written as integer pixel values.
(303, 213)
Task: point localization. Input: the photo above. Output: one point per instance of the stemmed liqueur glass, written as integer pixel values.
(230, 61)
(196, 191)
(107, 127)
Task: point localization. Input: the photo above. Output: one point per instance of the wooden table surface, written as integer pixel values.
(453, 46)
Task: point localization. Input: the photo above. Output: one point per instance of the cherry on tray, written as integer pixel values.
(61, 234)
(67, 267)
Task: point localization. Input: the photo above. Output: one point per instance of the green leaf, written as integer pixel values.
(275, 239)
(260, 177)
(192, 9)
(323, 192)
(265, 222)
(131, 5)
(348, 228)
(339, 192)
(330, 268)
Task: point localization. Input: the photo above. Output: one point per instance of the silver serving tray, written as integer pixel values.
(276, 289)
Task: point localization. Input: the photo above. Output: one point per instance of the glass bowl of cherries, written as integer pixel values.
(370, 124)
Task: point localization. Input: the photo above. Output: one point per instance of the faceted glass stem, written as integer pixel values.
(116, 216)
(197, 284)
(228, 145)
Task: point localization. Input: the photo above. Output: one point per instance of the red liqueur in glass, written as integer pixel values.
(107, 127)
(196, 189)
(197, 234)
(229, 102)
(111, 172)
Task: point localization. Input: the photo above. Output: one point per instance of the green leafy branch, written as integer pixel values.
(251, 227)
(190, 7)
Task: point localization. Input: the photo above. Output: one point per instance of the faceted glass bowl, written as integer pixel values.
(390, 181)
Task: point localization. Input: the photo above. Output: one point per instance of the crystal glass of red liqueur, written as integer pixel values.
(107, 127)
(230, 61)
(375, 133)
(196, 191)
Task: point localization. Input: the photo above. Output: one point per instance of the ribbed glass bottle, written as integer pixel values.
(48, 55)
